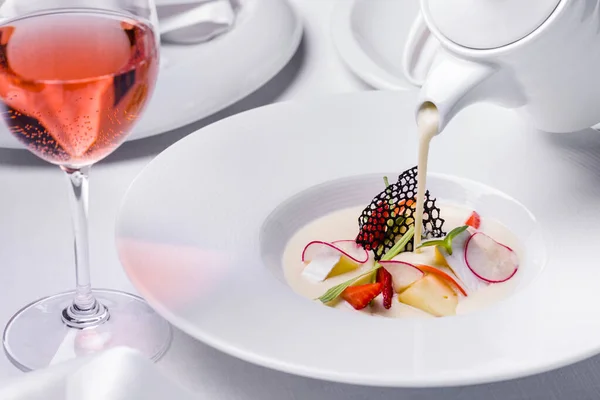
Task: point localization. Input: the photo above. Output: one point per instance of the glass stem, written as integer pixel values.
(85, 311)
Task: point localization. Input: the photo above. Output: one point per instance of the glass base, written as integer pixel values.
(37, 337)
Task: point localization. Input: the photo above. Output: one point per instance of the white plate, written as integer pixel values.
(191, 238)
(117, 374)
(196, 81)
(370, 35)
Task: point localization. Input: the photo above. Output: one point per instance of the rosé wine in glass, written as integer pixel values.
(75, 77)
(73, 84)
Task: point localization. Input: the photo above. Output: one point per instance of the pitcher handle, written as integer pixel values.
(418, 36)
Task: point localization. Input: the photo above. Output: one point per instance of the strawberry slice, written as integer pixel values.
(474, 220)
(385, 278)
(360, 296)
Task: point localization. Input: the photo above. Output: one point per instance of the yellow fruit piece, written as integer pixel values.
(431, 295)
(343, 266)
(439, 258)
(364, 280)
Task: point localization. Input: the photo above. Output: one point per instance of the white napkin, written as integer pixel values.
(195, 21)
(117, 374)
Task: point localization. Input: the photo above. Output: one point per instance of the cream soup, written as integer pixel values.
(343, 224)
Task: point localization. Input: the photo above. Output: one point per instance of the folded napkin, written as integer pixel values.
(195, 21)
(116, 374)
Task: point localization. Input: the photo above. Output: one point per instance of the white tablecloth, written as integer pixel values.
(36, 256)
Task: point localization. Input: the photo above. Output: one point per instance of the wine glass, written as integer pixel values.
(75, 76)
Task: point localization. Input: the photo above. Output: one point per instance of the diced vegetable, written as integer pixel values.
(489, 260)
(441, 274)
(343, 266)
(432, 295)
(438, 258)
(474, 220)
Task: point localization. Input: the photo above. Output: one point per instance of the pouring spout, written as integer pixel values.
(452, 84)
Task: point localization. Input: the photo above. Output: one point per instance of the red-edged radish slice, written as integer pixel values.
(358, 253)
(331, 259)
(491, 261)
(456, 261)
(348, 248)
(403, 274)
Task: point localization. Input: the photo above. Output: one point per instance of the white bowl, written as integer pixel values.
(198, 237)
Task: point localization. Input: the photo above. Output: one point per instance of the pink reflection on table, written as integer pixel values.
(174, 275)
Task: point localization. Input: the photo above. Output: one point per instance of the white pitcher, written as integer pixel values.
(540, 56)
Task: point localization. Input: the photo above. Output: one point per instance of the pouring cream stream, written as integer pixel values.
(428, 127)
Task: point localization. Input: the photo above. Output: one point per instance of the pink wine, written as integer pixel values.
(73, 84)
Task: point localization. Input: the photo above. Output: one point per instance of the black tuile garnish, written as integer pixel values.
(391, 213)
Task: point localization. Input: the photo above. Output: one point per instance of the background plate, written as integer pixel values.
(188, 237)
(196, 81)
(370, 35)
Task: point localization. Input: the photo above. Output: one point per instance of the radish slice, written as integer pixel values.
(348, 248)
(458, 265)
(403, 274)
(491, 261)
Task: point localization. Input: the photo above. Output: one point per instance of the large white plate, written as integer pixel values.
(196, 81)
(370, 35)
(189, 237)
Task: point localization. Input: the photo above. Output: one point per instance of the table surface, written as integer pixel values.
(35, 212)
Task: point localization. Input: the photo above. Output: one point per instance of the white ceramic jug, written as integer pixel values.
(540, 56)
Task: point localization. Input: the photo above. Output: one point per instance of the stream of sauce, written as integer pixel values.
(427, 123)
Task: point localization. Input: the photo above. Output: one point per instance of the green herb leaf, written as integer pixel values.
(446, 242)
(432, 242)
(455, 232)
(386, 181)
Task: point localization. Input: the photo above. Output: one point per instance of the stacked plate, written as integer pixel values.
(197, 80)
(370, 36)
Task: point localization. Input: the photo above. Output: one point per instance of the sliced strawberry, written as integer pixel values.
(385, 278)
(360, 296)
(474, 220)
